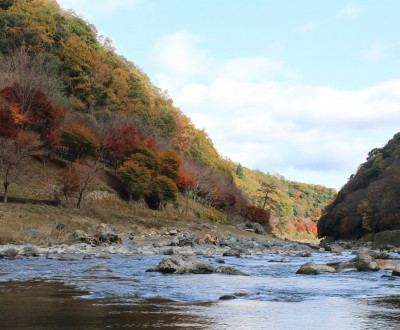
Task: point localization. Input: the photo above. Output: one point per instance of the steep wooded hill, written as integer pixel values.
(369, 202)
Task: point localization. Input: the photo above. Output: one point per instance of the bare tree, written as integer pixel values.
(86, 174)
(202, 187)
(28, 75)
(14, 160)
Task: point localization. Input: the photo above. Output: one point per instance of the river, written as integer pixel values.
(40, 293)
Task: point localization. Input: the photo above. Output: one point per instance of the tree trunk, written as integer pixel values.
(265, 202)
(187, 203)
(78, 205)
(6, 184)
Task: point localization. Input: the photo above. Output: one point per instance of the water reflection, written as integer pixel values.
(41, 305)
(38, 305)
(70, 297)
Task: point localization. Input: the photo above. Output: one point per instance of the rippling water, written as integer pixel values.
(128, 297)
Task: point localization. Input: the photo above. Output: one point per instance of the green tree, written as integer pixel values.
(80, 141)
(162, 191)
(135, 178)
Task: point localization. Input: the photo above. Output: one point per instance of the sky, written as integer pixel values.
(301, 88)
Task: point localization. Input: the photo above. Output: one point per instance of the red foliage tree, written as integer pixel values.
(45, 118)
(312, 228)
(256, 214)
(69, 183)
(185, 184)
(7, 124)
(120, 142)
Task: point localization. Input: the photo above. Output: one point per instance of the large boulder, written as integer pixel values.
(387, 264)
(10, 253)
(182, 265)
(311, 268)
(207, 239)
(334, 248)
(107, 237)
(231, 253)
(258, 229)
(344, 267)
(365, 262)
(183, 239)
(387, 238)
(30, 251)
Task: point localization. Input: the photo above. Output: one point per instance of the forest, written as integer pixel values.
(67, 96)
(369, 202)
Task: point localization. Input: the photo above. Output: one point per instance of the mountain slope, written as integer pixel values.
(369, 202)
(88, 90)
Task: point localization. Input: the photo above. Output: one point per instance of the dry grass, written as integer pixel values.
(40, 224)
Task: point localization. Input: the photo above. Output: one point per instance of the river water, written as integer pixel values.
(38, 293)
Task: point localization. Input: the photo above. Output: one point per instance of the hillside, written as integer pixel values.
(369, 202)
(67, 99)
(295, 207)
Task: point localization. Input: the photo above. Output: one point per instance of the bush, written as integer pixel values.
(162, 190)
(256, 214)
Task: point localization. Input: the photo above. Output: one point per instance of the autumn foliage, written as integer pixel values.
(256, 214)
(66, 87)
(369, 202)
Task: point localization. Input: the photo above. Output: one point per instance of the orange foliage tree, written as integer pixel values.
(256, 214)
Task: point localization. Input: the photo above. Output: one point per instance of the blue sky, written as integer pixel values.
(303, 88)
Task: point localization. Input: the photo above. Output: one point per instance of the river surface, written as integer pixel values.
(38, 293)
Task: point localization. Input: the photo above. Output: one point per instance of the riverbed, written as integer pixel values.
(40, 293)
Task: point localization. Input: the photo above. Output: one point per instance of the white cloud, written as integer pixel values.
(257, 114)
(351, 10)
(90, 9)
(179, 57)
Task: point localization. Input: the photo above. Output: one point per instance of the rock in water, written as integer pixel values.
(365, 262)
(182, 265)
(69, 257)
(227, 297)
(396, 271)
(231, 253)
(103, 255)
(229, 270)
(311, 268)
(241, 294)
(99, 268)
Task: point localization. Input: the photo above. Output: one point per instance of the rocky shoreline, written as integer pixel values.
(184, 244)
(173, 243)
